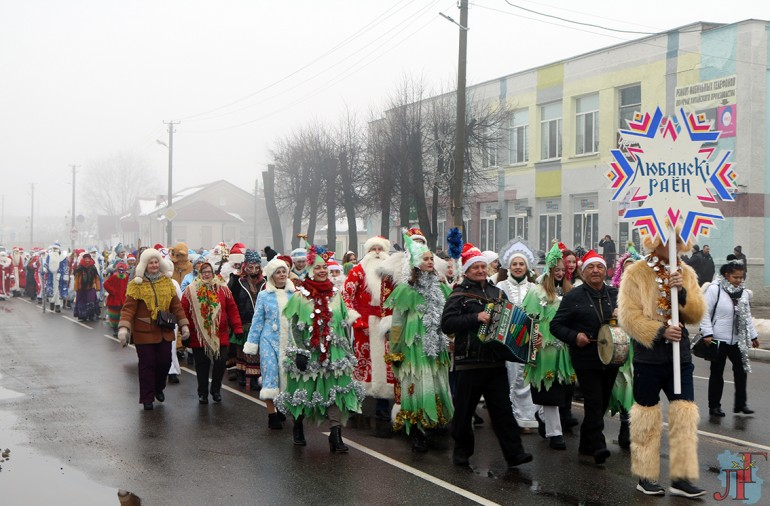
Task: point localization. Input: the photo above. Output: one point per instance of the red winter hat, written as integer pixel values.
(158, 246)
(471, 255)
(287, 259)
(562, 247)
(590, 258)
(333, 265)
(416, 234)
(237, 253)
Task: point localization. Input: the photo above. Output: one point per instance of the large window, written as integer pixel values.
(550, 229)
(630, 101)
(586, 230)
(519, 141)
(518, 227)
(487, 234)
(441, 235)
(489, 149)
(587, 125)
(550, 131)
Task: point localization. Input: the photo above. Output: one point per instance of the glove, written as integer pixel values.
(239, 336)
(123, 336)
(185, 332)
(301, 361)
(251, 348)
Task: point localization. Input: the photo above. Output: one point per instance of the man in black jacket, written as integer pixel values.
(577, 322)
(480, 367)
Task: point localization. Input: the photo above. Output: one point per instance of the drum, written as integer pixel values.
(613, 343)
(508, 326)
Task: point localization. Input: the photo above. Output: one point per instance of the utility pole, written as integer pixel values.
(170, 172)
(32, 218)
(72, 218)
(459, 158)
(256, 199)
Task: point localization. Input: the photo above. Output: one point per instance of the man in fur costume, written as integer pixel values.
(6, 276)
(181, 260)
(57, 272)
(20, 276)
(364, 293)
(644, 307)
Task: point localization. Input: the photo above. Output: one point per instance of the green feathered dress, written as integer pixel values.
(553, 363)
(420, 363)
(327, 380)
(622, 396)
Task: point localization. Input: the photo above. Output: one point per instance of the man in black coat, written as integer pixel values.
(480, 367)
(581, 314)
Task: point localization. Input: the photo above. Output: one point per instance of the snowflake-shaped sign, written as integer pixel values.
(670, 174)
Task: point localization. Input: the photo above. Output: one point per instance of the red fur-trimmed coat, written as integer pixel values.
(637, 312)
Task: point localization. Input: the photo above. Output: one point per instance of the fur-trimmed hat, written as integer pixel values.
(490, 255)
(298, 254)
(377, 240)
(334, 266)
(416, 235)
(592, 257)
(166, 268)
(471, 255)
(273, 265)
(517, 248)
(237, 253)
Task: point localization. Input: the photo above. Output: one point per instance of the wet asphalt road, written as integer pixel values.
(78, 433)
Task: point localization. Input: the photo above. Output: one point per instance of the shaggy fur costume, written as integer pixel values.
(683, 420)
(646, 429)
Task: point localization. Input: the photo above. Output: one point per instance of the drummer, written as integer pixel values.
(577, 322)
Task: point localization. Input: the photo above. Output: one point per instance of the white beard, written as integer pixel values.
(371, 264)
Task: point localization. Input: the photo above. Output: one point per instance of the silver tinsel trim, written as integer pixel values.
(434, 341)
(311, 401)
(741, 320)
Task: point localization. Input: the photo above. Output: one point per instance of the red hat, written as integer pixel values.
(563, 247)
(158, 246)
(287, 259)
(471, 255)
(416, 233)
(130, 256)
(237, 253)
(590, 258)
(334, 266)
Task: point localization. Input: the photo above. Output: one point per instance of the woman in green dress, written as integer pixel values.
(319, 358)
(551, 373)
(419, 351)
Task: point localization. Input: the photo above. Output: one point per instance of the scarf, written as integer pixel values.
(434, 341)
(144, 292)
(320, 293)
(741, 319)
(206, 307)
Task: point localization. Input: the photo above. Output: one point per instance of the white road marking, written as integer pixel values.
(702, 378)
(75, 321)
(26, 301)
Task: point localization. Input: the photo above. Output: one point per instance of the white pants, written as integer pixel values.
(174, 360)
(550, 416)
(523, 407)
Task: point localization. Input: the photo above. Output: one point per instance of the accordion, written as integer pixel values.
(508, 328)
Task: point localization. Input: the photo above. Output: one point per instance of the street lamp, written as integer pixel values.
(170, 147)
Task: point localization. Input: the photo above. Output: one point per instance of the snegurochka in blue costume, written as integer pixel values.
(319, 358)
(419, 351)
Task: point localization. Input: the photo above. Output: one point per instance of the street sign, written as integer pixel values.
(170, 214)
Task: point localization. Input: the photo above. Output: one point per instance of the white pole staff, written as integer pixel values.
(672, 266)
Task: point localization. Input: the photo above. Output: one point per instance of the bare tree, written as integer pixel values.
(113, 185)
(353, 167)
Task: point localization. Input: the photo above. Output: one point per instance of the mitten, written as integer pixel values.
(123, 336)
(250, 348)
(301, 362)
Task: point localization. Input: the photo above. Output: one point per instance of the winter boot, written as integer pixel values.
(254, 383)
(241, 377)
(683, 420)
(335, 441)
(646, 427)
(232, 374)
(624, 436)
(298, 432)
(274, 422)
(419, 441)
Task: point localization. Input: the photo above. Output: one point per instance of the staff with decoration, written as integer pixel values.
(672, 176)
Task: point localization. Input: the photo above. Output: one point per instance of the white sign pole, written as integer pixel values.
(672, 267)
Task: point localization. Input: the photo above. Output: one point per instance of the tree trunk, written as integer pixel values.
(433, 234)
(418, 186)
(348, 203)
(299, 209)
(313, 194)
(331, 201)
(268, 178)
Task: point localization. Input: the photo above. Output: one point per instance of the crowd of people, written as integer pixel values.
(405, 326)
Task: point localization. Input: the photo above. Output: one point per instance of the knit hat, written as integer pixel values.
(416, 235)
(270, 253)
(273, 265)
(251, 257)
(590, 258)
(334, 266)
(165, 267)
(517, 248)
(377, 241)
(121, 266)
(237, 253)
(298, 254)
(471, 255)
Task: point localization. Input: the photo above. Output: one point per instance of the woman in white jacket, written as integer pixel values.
(728, 324)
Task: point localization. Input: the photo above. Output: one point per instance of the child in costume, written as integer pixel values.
(319, 359)
(116, 286)
(419, 351)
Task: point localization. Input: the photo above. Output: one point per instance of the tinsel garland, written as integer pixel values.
(434, 341)
(742, 317)
(662, 275)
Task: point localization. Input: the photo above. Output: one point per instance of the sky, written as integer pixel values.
(85, 80)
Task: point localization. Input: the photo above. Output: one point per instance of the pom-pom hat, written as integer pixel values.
(471, 255)
(592, 257)
(252, 257)
(166, 268)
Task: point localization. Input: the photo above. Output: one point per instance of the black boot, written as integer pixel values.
(624, 436)
(298, 433)
(273, 421)
(419, 441)
(254, 383)
(382, 427)
(241, 377)
(335, 441)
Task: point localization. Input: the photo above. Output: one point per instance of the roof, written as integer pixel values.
(203, 211)
(151, 206)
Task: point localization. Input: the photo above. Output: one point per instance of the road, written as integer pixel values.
(69, 414)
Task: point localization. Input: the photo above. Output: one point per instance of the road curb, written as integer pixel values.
(759, 355)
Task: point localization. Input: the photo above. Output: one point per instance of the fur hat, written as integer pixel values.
(237, 253)
(287, 260)
(592, 257)
(334, 266)
(299, 254)
(416, 235)
(166, 268)
(377, 241)
(471, 255)
(273, 265)
(490, 255)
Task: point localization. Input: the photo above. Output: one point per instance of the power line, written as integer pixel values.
(577, 22)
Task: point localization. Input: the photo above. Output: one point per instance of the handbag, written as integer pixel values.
(706, 351)
(166, 319)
